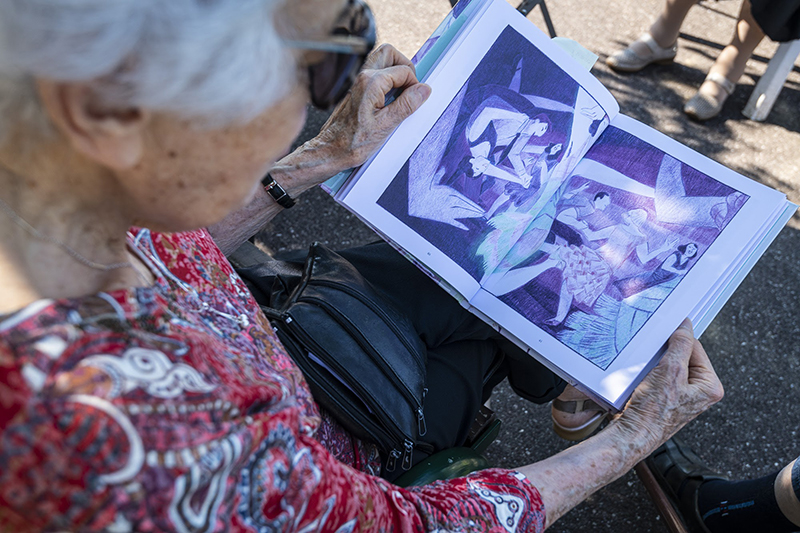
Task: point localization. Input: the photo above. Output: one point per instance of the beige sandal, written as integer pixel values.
(704, 106)
(629, 61)
(576, 433)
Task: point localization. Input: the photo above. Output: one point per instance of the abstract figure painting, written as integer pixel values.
(581, 228)
(580, 234)
(496, 155)
(630, 223)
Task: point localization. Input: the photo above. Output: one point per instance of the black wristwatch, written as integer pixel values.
(277, 192)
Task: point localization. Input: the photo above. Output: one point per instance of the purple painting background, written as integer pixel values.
(540, 77)
(619, 150)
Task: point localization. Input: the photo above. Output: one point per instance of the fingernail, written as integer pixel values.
(687, 324)
(423, 92)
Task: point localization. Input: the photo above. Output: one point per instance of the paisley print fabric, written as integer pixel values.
(174, 408)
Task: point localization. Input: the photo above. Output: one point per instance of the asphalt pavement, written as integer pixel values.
(753, 343)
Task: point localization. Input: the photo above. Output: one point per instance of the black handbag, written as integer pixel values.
(362, 358)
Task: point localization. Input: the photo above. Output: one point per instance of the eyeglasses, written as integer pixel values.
(351, 41)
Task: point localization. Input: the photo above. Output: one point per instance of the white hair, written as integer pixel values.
(219, 60)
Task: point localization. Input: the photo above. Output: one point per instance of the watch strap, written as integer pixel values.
(277, 192)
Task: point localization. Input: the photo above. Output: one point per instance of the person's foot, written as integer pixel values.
(680, 473)
(709, 99)
(640, 53)
(575, 416)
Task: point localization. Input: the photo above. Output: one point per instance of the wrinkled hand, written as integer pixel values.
(363, 121)
(682, 386)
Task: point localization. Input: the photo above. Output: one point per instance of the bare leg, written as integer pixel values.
(502, 283)
(564, 303)
(733, 58)
(666, 27)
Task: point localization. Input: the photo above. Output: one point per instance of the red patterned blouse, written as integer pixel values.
(174, 408)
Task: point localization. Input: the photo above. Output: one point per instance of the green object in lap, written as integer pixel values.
(452, 463)
(448, 464)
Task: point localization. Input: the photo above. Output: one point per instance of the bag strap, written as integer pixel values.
(260, 271)
(247, 255)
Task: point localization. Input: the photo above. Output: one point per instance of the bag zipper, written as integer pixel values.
(397, 434)
(369, 424)
(387, 368)
(391, 462)
(375, 309)
(408, 451)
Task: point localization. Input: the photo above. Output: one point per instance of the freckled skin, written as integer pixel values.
(195, 176)
(102, 172)
(191, 177)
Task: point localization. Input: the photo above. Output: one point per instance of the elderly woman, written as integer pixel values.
(141, 387)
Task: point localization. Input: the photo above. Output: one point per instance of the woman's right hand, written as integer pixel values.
(682, 386)
(363, 121)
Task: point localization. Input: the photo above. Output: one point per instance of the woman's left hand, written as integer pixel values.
(363, 121)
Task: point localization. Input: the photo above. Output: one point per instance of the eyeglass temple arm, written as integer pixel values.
(344, 45)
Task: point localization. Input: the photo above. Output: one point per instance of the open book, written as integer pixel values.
(581, 234)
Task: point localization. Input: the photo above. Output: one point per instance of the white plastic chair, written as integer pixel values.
(769, 86)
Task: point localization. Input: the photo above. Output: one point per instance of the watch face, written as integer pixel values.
(277, 192)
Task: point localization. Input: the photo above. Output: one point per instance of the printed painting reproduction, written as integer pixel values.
(496, 152)
(582, 235)
(611, 244)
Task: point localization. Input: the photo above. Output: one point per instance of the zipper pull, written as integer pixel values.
(392, 461)
(409, 450)
(423, 428)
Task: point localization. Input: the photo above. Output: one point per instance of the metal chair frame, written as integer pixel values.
(527, 6)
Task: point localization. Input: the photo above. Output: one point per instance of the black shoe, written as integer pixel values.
(680, 472)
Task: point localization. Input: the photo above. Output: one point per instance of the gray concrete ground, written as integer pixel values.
(753, 342)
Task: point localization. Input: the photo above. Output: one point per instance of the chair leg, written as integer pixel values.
(527, 6)
(665, 509)
(546, 14)
(769, 86)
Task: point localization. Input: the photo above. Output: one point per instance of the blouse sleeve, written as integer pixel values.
(53, 455)
(306, 487)
(58, 474)
(73, 463)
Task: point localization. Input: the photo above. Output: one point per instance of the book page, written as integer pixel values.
(429, 54)
(502, 118)
(432, 49)
(704, 314)
(643, 226)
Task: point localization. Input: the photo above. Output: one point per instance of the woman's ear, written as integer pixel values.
(113, 137)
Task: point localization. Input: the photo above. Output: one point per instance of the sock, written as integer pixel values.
(742, 506)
